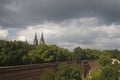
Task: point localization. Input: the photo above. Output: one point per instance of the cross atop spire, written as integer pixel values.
(42, 38)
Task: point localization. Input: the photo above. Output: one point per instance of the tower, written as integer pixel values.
(35, 40)
(42, 39)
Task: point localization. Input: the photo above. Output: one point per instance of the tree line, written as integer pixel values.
(14, 53)
(20, 53)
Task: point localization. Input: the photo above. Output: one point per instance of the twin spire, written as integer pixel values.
(42, 38)
(36, 40)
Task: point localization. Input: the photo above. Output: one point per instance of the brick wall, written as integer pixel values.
(34, 71)
(28, 72)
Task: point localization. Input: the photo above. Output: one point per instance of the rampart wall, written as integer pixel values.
(26, 72)
(34, 71)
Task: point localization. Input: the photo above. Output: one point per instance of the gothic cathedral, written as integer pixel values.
(36, 40)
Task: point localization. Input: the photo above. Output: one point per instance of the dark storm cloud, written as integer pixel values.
(18, 13)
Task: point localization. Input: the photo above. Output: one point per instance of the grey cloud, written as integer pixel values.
(37, 11)
(81, 39)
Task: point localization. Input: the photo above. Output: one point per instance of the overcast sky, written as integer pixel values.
(67, 23)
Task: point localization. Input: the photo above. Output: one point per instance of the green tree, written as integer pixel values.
(105, 60)
(79, 54)
(96, 75)
(26, 59)
(11, 52)
(109, 73)
(68, 72)
(49, 53)
(89, 54)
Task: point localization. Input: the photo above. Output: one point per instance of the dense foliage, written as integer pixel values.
(12, 52)
(49, 53)
(108, 70)
(68, 72)
(17, 53)
(65, 72)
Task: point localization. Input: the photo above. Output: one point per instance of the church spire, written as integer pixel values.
(42, 38)
(35, 40)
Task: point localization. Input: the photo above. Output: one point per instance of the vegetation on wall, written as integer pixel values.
(108, 70)
(65, 72)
